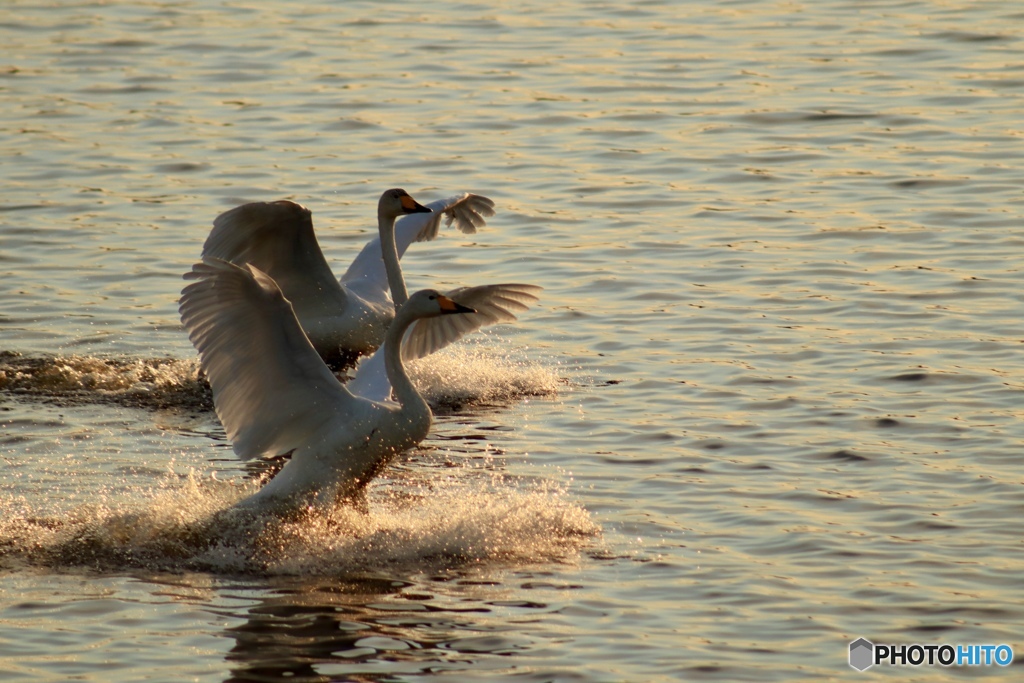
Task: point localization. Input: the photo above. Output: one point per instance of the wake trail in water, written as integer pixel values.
(457, 376)
(152, 383)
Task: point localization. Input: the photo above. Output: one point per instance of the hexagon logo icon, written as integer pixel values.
(862, 654)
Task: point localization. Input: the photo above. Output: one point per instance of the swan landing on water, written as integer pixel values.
(275, 396)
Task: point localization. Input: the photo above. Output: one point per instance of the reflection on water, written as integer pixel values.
(373, 626)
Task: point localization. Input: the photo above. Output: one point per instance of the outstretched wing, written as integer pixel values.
(271, 390)
(466, 211)
(370, 380)
(493, 304)
(278, 238)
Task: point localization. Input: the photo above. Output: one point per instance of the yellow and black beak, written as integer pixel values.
(410, 205)
(449, 306)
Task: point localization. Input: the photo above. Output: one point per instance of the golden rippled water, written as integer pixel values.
(770, 401)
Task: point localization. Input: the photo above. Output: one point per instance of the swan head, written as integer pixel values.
(429, 303)
(397, 202)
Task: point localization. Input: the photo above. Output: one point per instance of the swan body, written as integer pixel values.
(349, 317)
(274, 395)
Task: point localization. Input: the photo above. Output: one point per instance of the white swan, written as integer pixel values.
(274, 395)
(347, 318)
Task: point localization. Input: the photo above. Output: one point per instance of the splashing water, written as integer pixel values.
(187, 523)
(477, 373)
(133, 382)
(190, 526)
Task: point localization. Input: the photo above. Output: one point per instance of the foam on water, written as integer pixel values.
(133, 382)
(189, 524)
(477, 372)
(458, 375)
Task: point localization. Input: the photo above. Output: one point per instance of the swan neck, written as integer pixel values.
(401, 386)
(389, 251)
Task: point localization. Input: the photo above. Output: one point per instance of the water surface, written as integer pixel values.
(769, 402)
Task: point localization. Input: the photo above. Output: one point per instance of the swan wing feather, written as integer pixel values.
(370, 380)
(272, 392)
(493, 304)
(278, 239)
(466, 211)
